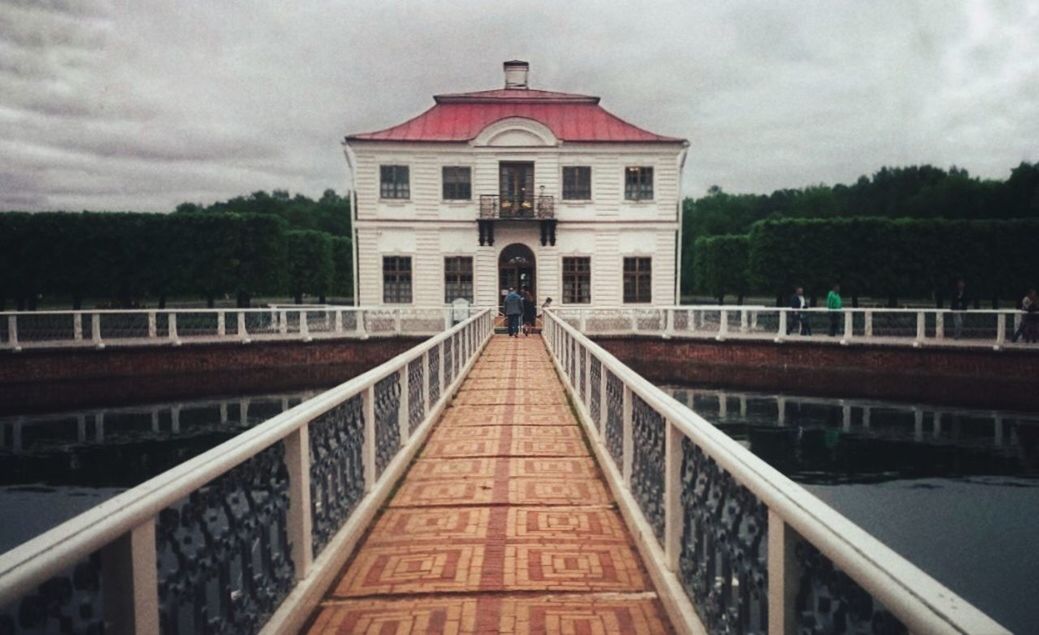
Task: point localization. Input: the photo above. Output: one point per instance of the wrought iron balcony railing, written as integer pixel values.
(493, 206)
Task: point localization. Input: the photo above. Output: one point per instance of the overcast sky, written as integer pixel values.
(143, 104)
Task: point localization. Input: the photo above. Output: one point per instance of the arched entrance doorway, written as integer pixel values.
(516, 269)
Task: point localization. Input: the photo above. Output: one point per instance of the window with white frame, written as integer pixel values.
(458, 278)
(456, 183)
(396, 279)
(577, 280)
(638, 279)
(577, 183)
(638, 183)
(394, 182)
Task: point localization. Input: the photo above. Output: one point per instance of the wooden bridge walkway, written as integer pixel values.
(503, 524)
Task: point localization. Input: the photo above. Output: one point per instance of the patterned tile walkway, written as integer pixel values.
(503, 524)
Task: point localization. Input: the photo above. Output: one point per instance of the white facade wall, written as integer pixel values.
(607, 228)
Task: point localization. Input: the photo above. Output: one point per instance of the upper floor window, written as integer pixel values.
(577, 280)
(458, 278)
(393, 181)
(638, 279)
(456, 183)
(638, 183)
(577, 183)
(396, 279)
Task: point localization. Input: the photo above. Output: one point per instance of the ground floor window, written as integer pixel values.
(458, 278)
(577, 280)
(637, 280)
(396, 279)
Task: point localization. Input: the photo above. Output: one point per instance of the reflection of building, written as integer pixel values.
(516, 187)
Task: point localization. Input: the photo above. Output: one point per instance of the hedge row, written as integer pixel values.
(125, 258)
(877, 257)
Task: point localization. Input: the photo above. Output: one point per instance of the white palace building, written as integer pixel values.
(516, 187)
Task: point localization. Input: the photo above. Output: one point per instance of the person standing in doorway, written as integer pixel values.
(799, 320)
(960, 303)
(1027, 325)
(834, 304)
(513, 311)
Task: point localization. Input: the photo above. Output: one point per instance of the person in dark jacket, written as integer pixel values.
(530, 312)
(960, 303)
(799, 321)
(513, 311)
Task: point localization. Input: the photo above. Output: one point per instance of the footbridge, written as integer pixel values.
(474, 484)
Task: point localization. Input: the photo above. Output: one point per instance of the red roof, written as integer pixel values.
(461, 117)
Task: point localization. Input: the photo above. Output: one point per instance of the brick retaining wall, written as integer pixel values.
(975, 378)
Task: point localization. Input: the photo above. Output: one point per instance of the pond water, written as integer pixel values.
(954, 491)
(55, 466)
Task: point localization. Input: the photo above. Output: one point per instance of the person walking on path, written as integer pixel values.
(799, 320)
(513, 311)
(1030, 321)
(530, 312)
(834, 304)
(960, 303)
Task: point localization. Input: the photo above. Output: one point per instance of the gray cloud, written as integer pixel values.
(127, 105)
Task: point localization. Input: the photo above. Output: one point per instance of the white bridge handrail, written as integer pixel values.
(99, 328)
(995, 329)
(923, 604)
(134, 512)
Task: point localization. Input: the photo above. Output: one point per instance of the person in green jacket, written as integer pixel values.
(834, 304)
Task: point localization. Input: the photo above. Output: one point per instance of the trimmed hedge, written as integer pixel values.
(125, 257)
(720, 265)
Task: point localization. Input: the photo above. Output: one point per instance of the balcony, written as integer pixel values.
(495, 207)
(505, 208)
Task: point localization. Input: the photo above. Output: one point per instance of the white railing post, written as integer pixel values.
(243, 412)
(849, 325)
(173, 329)
(939, 325)
(95, 330)
(12, 332)
(921, 328)
(425, 380)
(221, 324)
(601, 423)
(629, 437)
(673, 514)
(753, 321)
(397, 320)
(743, 321)
(297, 461)
(586, 371)
(339, 321)
(404, 410)
(723, 324)
(447, 319)
(1001, 330)
(304, 327)
(362, 332)
(440, 373)
(669, 323)
(867, 329)
(781, 410)
(634, 321)
(783, 576)
(153, 328)
(243, 334)
(283, 322)
(368, 458)
(583, 320)
(782, 325)
(77, 326)
(129, 565)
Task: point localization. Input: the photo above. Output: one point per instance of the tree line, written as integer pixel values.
(876, 257)
(261, 245)
(717, 261)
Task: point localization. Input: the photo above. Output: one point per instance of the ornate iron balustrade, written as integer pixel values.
(68, 329)
(218, 543)
(900, 327)
(740, 547)
(493, 206)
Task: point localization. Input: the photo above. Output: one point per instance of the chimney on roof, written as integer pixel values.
(516, 74)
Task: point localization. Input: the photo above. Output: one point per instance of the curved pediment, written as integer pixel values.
(516, 132)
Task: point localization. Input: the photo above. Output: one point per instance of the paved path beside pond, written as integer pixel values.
(504, 523)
